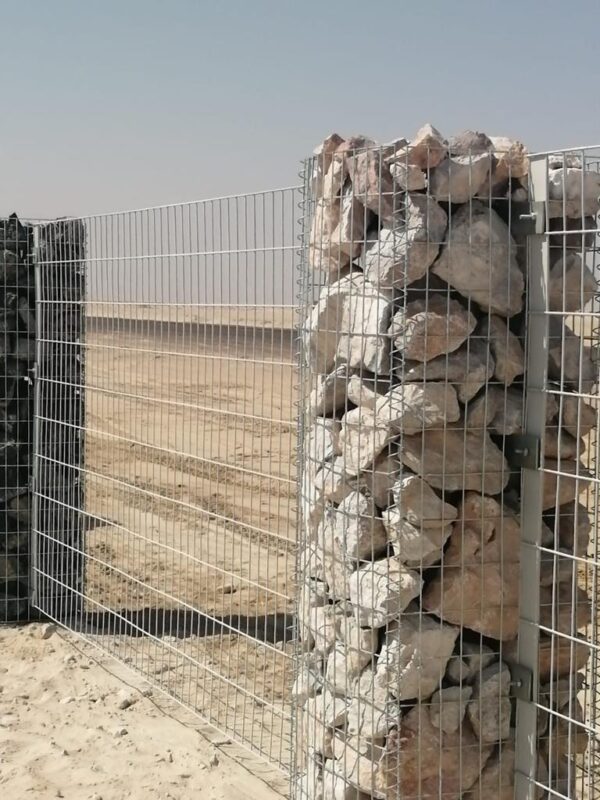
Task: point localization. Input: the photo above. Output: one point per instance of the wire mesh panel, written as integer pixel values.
(188, 438)
(412, 422)
(566, 188)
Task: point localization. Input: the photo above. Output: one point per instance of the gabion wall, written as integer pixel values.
(62, 245)
(413, 376)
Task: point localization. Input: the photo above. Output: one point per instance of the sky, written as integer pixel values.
(118, 104)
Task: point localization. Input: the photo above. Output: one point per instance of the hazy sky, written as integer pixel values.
(115, 104)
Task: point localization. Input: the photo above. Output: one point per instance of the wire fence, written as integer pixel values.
(177, 412)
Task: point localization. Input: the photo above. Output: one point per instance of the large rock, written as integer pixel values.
(571, 284)
(457, 179)
(333, 483)
(478, 586)
(565, 487)
(322, 254)
(577, 417)
(573, 192)
(373, 710)
(489, 710)
(407, 177)
(323, 156)
(348, 235)
(365, 391)
(467, 368)
(415, 545)
(309, 680)
(414, 407)
(422, 761)
(512, 158)
(363, 342)
(448, 707)
(479, 260)
(408, 245)
(321, 625)
(564, 609)
(321, 330)
(498, 409)
(321, 443)
(419, 504)
(381, 590)
(574, 527)
(372, 182)
(570, 360)
(469, 662)
(506, 349)
(453, 459)
(355, 762)
(364, 436)
(427, 328)
(414, 655)
(426, 149)
(352, 530)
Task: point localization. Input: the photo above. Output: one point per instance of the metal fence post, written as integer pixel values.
(526, 745)
(34, 530)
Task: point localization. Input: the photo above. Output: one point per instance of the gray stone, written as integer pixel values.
(309, 680)
(467, 368)
(356, 763)
(457, 179)
(560, 444)
(414, 655)
(448, 706)
(469, 662)
(322, 443)
(497, 409)
(321, 330)
(414, 407)
(348, 235)
(363, 342)
(573, 192)
(323, 156)
(479, 260)
(408, 245)
(365, 392)
(489, 710)
(373, 711)
(426, 149)
(352, 530)
(478, 587)
(565, 487)
(337, 573)
(333, 483)
(577, 417)
(419, 504)
(571, 284)
(506, 349)
(414, 544)
(321, 625)
(408, 177)
(574, 527)
(372, 182)
(380, 590)
(322, 255)
(453, 459)
(363, 437)
(427, 328)
(570, 360)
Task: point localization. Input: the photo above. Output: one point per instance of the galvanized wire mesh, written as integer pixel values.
(186, 421)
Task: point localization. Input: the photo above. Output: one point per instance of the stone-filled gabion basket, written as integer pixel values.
(61, 254)
(413, 375)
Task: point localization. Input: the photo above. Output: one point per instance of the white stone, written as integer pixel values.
(419, 504)
(469, 662)
(448, 706)
(427, 148)
(322, 624)
(489, 710)
(512, 158)
(352, 530)
(322, 443)
(414, 655)
(414, 407)
(467, 368)
(571, 284)
(309, 679)
(429, 327)
(363, 437)
(329, 392)
(479, 260)
(570, 359)
(323, 156)
(506, 349)
(321, 330)
(573, 192)
(365, 392)
(453, 459)
(333, 483)
(372, 711)
(372, 182)
(408, 177)
(348, 235)
(415, 545)
(457, 179)
(380, 590)
(408, 245)
(363, 342)
(337, 572)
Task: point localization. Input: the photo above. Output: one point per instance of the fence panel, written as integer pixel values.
(187, 479)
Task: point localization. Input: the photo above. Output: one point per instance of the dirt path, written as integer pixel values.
(63, 734)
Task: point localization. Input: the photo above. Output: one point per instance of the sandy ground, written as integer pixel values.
(63, 734)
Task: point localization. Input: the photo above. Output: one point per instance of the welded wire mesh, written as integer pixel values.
(412, 401)
(181, 429)
(569, 184)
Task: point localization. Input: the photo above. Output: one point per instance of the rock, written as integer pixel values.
(335, 787)
(489, 710)
(564, 488)
(326, 709)
(408, 177)
(479, 260)
(125, 699)
(467, 143)
(571, 284)
(365, 392)
(120, 732)
(415, 545)
(344, 666)
(414, 655)
(380, 590)
(573, 192)
(352, 530)
(419, 504)
(512, 158)
(427, 148)
(563, 609)
(355, 763)
(333, 483)
(457, 179)
(424, 329)
(498, 409)
(414, 407)
(364, 436)
(323, 156)
(453, 459)
(467, 368)
(558, 443)
(48, 630)
(372, 182)
(348, 235)
(322, 443)
(577, 417)
(354, 144)
(469, 662)
(422, 761)
(447, 707)
(362, 340)
(321, 330)
(478, 586)
(570, 360)
(337, 572)
(506, 349)
(322, 254)
(574, 528)
(372, 711)
(408, 245)
(322, 625)
(309, 679)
